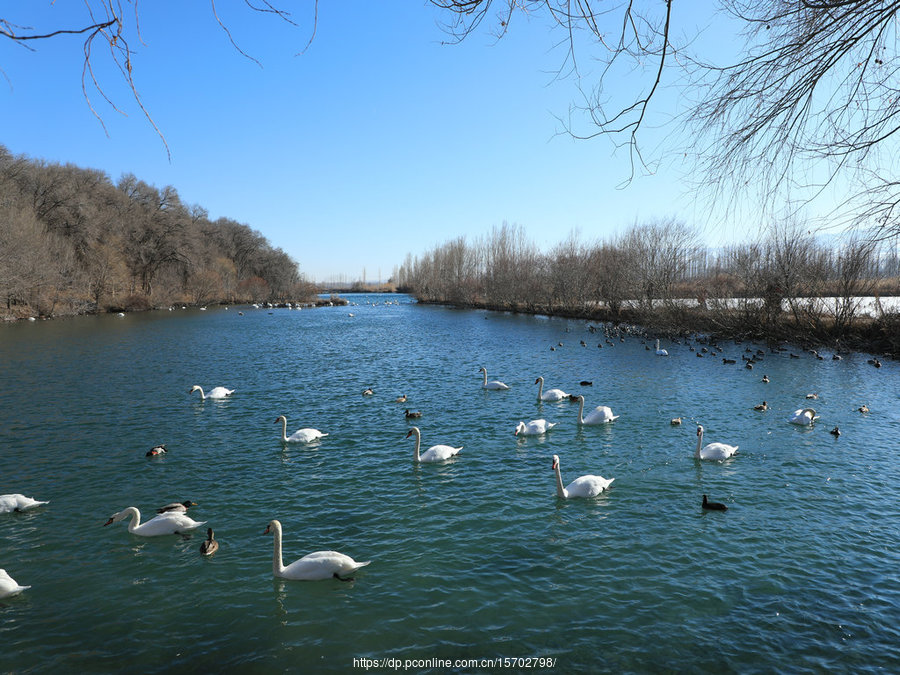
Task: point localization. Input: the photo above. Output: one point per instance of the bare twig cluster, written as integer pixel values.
(798, 104)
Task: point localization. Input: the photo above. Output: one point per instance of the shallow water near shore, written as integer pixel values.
(476, 558)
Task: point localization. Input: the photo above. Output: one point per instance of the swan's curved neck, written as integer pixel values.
(277, 564)
(135, 518)
(418, 436)
(284, 437)
(560, 490)
(202, 395)
(699, 443)
(540, 387)
(580, 415)
(485, 376)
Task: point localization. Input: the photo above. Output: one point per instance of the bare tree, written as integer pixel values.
(660, 251)
(808, 101)
(612, 275)
(568, 274)
(854, 280)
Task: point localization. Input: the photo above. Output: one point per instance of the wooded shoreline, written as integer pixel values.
(784, 286)
(74, 242)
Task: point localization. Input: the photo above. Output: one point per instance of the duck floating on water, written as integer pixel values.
(157, 450)
(713, 506)
(176, 507)
(209, 546)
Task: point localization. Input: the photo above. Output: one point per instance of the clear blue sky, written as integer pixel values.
(376, 142)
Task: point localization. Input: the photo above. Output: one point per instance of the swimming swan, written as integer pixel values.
(18, 503)
(436, 453)
(313, 566)
(713, 451)
(551, 394)
(9, 586)
(660, 352)
(493, 384)
(534, 427)
(803, 417)
(584, 486)
(217, 392)
(600, 415)
(170, 522)
(299, 436)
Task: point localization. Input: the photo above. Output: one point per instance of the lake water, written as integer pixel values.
(473, 559)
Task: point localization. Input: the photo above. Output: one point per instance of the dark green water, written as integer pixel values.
(473, 559)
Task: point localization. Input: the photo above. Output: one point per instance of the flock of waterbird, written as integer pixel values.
(173, 519)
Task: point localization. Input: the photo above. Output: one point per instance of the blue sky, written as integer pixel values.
(376, 142)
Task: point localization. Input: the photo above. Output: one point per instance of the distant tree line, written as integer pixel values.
(788, 285)
(72, 241)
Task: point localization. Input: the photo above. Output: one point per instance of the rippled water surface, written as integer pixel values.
(475, 558)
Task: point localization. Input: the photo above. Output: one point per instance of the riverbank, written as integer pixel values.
(869, 334)
(23, 312)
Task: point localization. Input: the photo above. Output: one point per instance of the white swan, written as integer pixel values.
(602, 414)
(534, 427)
(551, 394)
(436, 453)
(660, 352)
(217, 392)
(18, 503)
(170, 522)
(584, 486)
(713, 451)
(803, 417)
(493, 384)
(9, 586)
(313, 566)
(300, 436)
